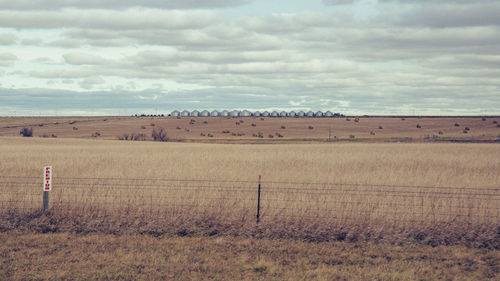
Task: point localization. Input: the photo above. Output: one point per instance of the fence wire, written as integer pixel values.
(234, 198)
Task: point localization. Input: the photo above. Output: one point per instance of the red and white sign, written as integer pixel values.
(47, 175)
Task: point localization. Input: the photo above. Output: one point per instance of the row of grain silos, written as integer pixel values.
(247, 113)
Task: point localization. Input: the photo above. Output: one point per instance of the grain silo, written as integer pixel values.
(310, 114)
(224, 113)
(185, 113)
(283, 114)
(214, 113)
(301, 114)
(257, 114)
(205, 113)
(175, 113)
(234, 113)
(245, 113)
(328, 114)
(195, 113)
(265, 114)
(274, 114)
(292, 113)
(318, 114)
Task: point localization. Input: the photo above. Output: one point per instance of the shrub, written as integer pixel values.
(143, 127)
(372, 133)
(347, 119)
(262, 118)
(254, 125)
(72, 122)
(26, 132)
(270, 136)
(241, 121)
(159, 135)
(96, 134)
(352, 136)
(380, 127)
(440, 132)
(44, 136)
(205, 122)
(75, 128)
(178, 128)
(283, 127)
(457, 125)
(467, 129)
(152, 124)
(54, 136)
(498, 125)
(279, 135)
(237, 123)
(40, 125)
(187, 130)
(419, 126)
(356, 120)
(484, 119)
(202, 134)
(210, 135)
(133, 137)
(495, 122)
(226, 132)
(403, 119)
(310, 127)
(260, 135)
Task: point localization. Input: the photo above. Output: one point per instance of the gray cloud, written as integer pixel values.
(7, 59)
(78, 58)
(8, 39)
(118, 4)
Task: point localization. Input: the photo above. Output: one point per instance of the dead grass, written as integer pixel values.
(110, 257)
(396, 193)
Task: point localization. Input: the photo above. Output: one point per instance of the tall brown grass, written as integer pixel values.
(430, 193)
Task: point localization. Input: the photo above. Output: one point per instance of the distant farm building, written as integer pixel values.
(318, 114)
(195, 113)
(234, 113)
(328, 114)
(292, 113)
(224, 113)
(205, 113)
(245, 113)
(257, 114)
(310, 114)
(274, 114)
(265, 114)
(283, 114)
(214, 113)
(301, 114)
(185, 113)
(175, 113)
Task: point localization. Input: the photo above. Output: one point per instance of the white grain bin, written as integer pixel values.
(224, 113)
(318, 114)
(234, 113)
(328, 114)
(214, 113)
(283, 114)
(175, 113)
(301, 114)
(195, 113)
(265, 114)
(204, 113)
(245, 113)
(185, 113)
(257, 114)
(292, 113)
(274, 114)
(310, 114)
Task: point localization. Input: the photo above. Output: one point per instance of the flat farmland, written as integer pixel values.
(262, 129)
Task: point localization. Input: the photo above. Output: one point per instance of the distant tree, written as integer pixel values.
(26, 132)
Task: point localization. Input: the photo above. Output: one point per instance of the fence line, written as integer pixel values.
(335, 201)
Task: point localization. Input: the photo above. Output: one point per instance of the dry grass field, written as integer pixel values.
(256, 129)
(409, 211)
(430, 193)
(108, 257)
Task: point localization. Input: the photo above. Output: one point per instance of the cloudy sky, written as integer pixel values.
(120, 57)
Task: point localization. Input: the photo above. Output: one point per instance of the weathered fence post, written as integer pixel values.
(258, 202)
(45, 200)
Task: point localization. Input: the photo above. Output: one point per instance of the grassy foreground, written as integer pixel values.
(108, 257)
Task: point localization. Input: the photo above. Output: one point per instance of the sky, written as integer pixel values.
(124, 57)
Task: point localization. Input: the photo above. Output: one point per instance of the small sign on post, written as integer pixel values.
(47, 185)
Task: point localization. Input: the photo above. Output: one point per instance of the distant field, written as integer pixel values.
(266, 129)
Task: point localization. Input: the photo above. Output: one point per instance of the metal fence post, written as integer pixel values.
(45, 200)
(258, 202)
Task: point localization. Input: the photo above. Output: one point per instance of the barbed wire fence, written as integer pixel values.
(254, 200)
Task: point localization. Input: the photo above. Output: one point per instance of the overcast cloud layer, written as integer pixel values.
(78, 57)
